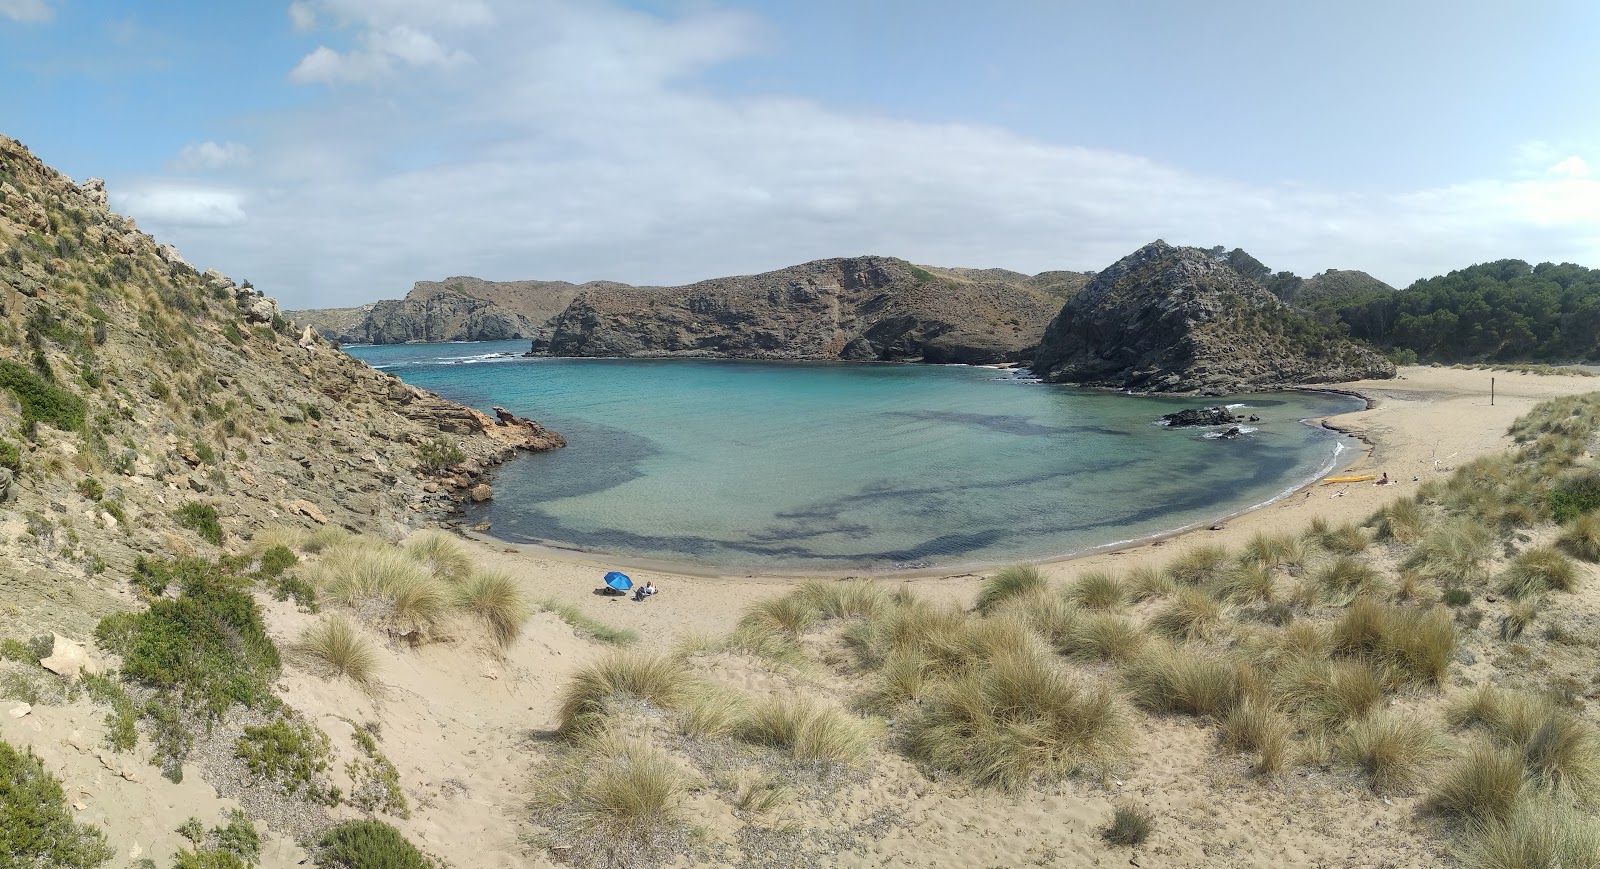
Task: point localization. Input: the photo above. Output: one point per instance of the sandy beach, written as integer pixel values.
(470, 729)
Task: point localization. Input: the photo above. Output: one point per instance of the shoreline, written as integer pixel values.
(1418, 425)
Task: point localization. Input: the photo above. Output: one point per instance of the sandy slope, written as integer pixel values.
(467, 728)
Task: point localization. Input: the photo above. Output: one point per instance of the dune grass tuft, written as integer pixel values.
(1560, 751)
(1129, 826)
(1485, 784)
(417, 602)
(1147, 582)
(1346, 576)
(1537, 571)
(441, 554)
(661, 681)
(1394, 752)
(1017, 719)
(845, 599)
(1401, 520)
(791, 614)
(1346, 539)
(1190, 615)
(1538, 834)
(1164, 678)
(1273, 551)
(1244, 583)
(323, 539)
(1580, 538)
(584, 624)
(811, 731)
(1010, 582)
(620, 788)
(1414, 645)
(1327, 695)
(1101, 637)
(273, 536)
(1256, 725)
(1098, 590)
(1198, 565)
(1453, 552)
(498, 601)
(711, 711)
(337, 648)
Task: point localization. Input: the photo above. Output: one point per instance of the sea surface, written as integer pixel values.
(797, 466)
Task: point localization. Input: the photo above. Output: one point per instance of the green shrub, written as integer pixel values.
(1456, 597)
(120, 732)
(90, 488)
(10, 456)
(276, 560)
(41, 400)
(367, 845)
(375, 783)
(36, 830)
(291, 752)
(207, 858)
(208, 646)
(439, 454)
(304, 593)
(1575, 495)
(202, 520)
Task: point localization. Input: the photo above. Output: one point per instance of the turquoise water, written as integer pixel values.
(839, 466)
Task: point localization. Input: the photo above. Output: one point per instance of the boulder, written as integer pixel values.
(69, 660)
(1217, 415)
(481, 493)
(308, 510)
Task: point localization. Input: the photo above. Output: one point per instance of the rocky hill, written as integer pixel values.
(454, 309)
(857, 308)
(1338, 284)
(146, 407)
(1172, 319)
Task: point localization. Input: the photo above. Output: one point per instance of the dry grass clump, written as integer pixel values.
(1453, 551)
(1401, 520)
(1147, 582)
(1048, 615)
(1537, 571)
(1130, 825)
(1015, 720)
(1098, 591)
(845, 599)
(441, 554)
(272, 536)
(1165, 678)
(1414, 645)
(1254, 724)
(1538, 834)
(812, 732)
(1273, 551)
(337, 648)
(1346, 539)
(619, 788)
(1198, 565)
(416, 603)
(659, 680)
(1580, 538)
(323, 539)
(1327, 694)
(790, 614)
(1018, 579)
(1395, 752)
(1190, 615)
(1244, 584)
(1560, 751)
(1101, 637)
(711, 712)
(1484, 785)
(947, 639)
(498, 601)
(902, 677)
(1347, 576)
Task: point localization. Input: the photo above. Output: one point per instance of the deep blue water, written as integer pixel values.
(796, 466)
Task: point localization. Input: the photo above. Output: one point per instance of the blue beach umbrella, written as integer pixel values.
(619, 581)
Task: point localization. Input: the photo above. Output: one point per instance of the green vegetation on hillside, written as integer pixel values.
(35, 827)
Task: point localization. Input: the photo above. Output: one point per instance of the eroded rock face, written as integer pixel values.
(858, 308)
(1171, 319)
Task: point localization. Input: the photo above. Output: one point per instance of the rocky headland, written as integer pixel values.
(454, 309)
(1176, 319)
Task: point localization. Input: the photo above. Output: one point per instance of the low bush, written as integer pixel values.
(439, 454)
(40, 399)
(336, 648)
(1574, 495)
(1456, 597)
(367, 845)
(813, 733)
(276, 559)
(1394, 752)
(1537, 571)
(374, 781)
(202, 520)
(1017, 719)
(662, 681)
(121, 734)
(291, 752)
(1010, 582)
(36, 827)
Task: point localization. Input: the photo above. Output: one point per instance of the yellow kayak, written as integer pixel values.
(1359, 478)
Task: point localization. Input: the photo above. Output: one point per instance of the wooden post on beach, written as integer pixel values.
(1491, 392)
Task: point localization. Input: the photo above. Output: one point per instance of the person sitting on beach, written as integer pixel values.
(1384, 480)
(644, 591)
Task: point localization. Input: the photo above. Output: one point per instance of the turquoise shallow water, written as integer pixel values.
(838, 466)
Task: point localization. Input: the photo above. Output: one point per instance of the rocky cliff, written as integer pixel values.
(1171, 319)
(454, 309)
(857, 308)
(133, 388)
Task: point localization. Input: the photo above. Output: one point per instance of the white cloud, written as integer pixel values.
(164, 207)
(210, 155)
(1572, 167)
(303, 17)
(26, 10)
(582, 144)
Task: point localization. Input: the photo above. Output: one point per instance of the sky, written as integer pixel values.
(334, 152)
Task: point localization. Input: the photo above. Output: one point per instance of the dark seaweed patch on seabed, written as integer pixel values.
(1005, 423)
